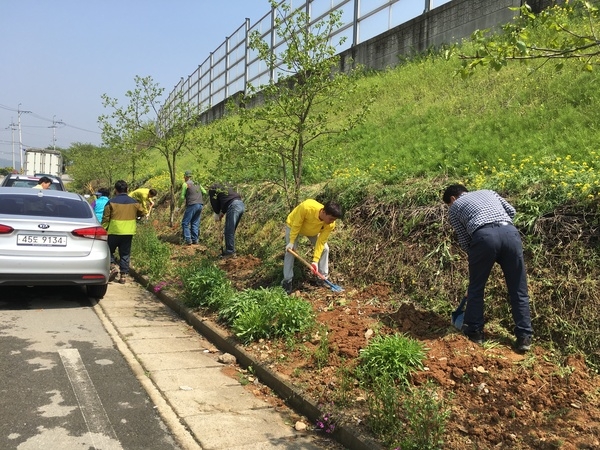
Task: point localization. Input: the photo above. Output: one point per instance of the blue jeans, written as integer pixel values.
(497, 244)
(190, 223)
(232, 219)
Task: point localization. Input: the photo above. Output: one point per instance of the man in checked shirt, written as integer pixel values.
(483, 224)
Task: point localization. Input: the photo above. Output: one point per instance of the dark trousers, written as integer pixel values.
(123, 243)
(500, 244)
(235, 211)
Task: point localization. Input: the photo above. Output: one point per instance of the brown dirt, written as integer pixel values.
(500, 399)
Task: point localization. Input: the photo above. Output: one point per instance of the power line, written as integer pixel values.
(82, 129)
(37, 116)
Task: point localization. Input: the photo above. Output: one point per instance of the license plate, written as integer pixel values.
(41, 239)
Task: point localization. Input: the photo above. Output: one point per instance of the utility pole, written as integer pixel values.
(54, 126)
(13, 127)
(19, 112)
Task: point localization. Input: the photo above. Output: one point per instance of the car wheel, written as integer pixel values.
(97, 290)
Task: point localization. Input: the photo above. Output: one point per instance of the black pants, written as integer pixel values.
(123, 243)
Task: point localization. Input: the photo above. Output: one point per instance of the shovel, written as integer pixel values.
(458, 315)
(334, 287)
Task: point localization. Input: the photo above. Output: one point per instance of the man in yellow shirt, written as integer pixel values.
(315, 221)
(145, 198)
(43, 183)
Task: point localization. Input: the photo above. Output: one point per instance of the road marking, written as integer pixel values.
(99, 427)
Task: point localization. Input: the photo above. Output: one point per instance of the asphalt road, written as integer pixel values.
(63, 384)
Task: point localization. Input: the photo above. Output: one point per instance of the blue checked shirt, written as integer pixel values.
(474, 209)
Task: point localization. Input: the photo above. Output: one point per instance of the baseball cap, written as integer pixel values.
(188, 173)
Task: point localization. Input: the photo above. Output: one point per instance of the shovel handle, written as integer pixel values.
(306, 263)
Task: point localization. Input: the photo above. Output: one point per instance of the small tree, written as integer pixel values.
(88, 163)
(297, 108)
(145, 123)
(556, 34)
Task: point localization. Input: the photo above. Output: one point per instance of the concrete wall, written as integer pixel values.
(450, 23)
(447, 24)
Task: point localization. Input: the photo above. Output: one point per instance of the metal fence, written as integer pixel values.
(232, 65)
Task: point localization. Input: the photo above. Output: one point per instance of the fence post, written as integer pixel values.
(246, 54)
(272, 30)
(210, 80)
(355, 23)
(227, 49)
(198, 88)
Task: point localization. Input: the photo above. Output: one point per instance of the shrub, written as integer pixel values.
(203, 284)
(266, 313)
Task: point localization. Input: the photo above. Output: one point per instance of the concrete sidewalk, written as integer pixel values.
(203, 407)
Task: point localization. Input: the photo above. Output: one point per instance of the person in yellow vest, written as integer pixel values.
(119, 220)
(315, 221)
(145, 198)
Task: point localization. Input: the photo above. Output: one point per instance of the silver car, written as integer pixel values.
(50, 237)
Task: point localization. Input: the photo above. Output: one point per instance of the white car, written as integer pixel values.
(50, 237)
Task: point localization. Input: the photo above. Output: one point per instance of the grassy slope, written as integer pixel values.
(427, 128)
(426, 120)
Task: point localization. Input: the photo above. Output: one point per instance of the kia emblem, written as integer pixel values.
(43, 226)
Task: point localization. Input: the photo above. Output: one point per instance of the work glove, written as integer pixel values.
(290, 246)
(314, 268)
(216, 217)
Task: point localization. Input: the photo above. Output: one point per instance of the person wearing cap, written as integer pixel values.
(483, 222)
(145, 197)
(102, 197)
(191, 195)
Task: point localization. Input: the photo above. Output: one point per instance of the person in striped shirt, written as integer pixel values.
(483, 222)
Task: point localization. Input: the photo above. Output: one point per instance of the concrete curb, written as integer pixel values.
(345, 435)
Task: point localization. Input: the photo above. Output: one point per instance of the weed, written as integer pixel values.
(151, 256)
(408, 417)
(490, 344)
(426, 414)
(393, 357)
(564, 371)
(243, 379)
(342, 395)
(528, 361)
(321, 354)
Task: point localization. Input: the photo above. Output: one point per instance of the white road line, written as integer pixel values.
(99, 427)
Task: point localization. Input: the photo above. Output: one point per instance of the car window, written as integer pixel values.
(12, 182)
(23, 183)
(45, 206)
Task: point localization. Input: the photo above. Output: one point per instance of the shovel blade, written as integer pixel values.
(334, 287)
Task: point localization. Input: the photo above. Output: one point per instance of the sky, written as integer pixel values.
(58, 58)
